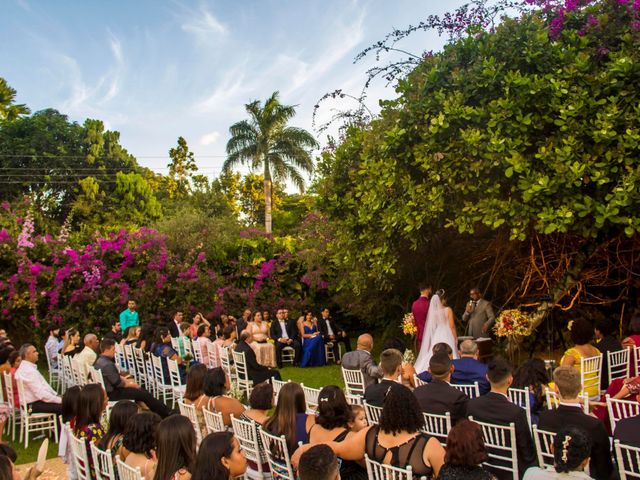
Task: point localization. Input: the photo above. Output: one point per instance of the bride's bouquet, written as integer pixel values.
(512, 323)
(409, 325)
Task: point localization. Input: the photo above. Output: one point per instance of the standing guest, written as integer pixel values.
(145, 340)
(243, 321)
(606, 341)
(38, 394)
(532, 374)
(265, 350)
(220, 457)
(184, 340)
(420, 309)
(174, 325)
(129, 317)
(468, 369)
(71, 344)
(162, 348)
(194, 391)
(391, 365)
(206, 346)
(53, 345)
(216, 386)
(361, 359)
(175, 449)
(260, 403)
(496, 408)
(120, 415)
(319, 463)
(131, 336)
(581, 334)
(569, 413)
(439, 397)
(89, 354)
(285, 334)
(290, 416)
(120, 388)
(571, 448)
(91, 404)
(313, 353)
(479, 314)
(332, 332)
(465, 454)
(116, 331)
(257, 373)
(198, 320)
(140, 443)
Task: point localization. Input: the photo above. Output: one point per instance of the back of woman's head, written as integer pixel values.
(581, 331)
(261, 397)
(532, 374)
(118, 419)
(70, 403)
(333, 409)
(161, 333)
(213, 449)
(13, 356)
(147, 334)
(465, 445)
(214, 382)
(91, 403)
(195, 382)
(291, 402)
(6, 468)
(201, 330)
(140, 433)
(401, 412)
(571, 448)
(227, 332)
(175, 446)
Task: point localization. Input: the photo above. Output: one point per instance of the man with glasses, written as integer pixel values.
(478, 314)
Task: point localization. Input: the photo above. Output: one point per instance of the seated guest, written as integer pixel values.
(115, 333)
(391, 365)
(437, 348)
(581, 334)
(71, 344)
(313, 353)
(184, 340)
(606, 341)
(216, 386)
(496, 408)
(285, 334)
(257, 373)
(408, 370)
(468, 369)
(118, 419)
(198, 320)
(194, 391)
(319, 463)
(265, 350)
(175, 449)
(439, 397)
(140, 443)
(88, 356)
(260, 403)
(361, 359)
(465, 453)
(131, 335)
(571, 449)
(290, 416)
(570, 413)
(206, 346)
(243, 322)
(332, 332)
(38, 394)
(145, 339)
(53, 344)
(628, 431)
(163, 348)
(120, 388)
(220, 457)
(532, 374)
(229, 336)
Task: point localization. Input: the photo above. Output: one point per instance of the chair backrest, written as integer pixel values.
(125, 472)
(67, 371)
(382, 471)
(158, 373)
(191, 413)
(591, 372)
(553, 401)
(138, 360)
(628, 460)
(437, 426)
(354, 399)
(174, 344)
(242, 373)
(247, 434)
(418, 382)
(8, 385)
(277, 452)
(522, 398)
(500, 441)
(543, 441)
(197, 351)
(213, 355)
(213, 421)
(103, 463)
(470, 390)
(174, 373)
(120, 359)
(225, 363)
(373, 413)
(96, 376)
(353, 381)
(619, 409)
(24, 408)
(79, 377)
(81, 457)
(618, 364)
(311, 396)
(131, 361)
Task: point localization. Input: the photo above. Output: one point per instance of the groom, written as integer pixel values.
(420, 308)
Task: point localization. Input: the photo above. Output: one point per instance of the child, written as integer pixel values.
(359, 418)
(69, 413)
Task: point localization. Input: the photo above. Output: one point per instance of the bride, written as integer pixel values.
(439, 328)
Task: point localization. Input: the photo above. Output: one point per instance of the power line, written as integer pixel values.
(19, 155)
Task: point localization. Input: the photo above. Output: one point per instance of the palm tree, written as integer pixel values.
(265, 141)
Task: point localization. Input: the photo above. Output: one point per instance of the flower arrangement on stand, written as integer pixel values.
(513, 324)
(409, 325)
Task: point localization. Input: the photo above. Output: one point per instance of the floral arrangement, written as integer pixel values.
(512, 323)
(236, 392)
(409, 325)
(409, 357)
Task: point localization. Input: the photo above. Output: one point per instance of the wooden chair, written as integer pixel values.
(14, 411)
(278, 457)
(373, 413)
(382, 471)
(437, 426)
(213, 421)
(553, 401)
(522, 398)
(311, 397)
(353, 381)
(591, 373)
(103, 463)
(277, 385)
(619, 409)
(164, 391)
(191, 413)
(354, 399)
(131, 362)
(543, 441)
(54, 372)
(618, 364)
(80, 457)
(34, 422)
(247, 434)
(197, 352)
(288, 355)
(500, 441)
(176, 381)
(628, 460)
(471, 390)
(125, 472)
(225, 363)
(243, 381)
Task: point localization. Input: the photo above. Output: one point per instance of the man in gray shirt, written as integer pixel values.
(361, 359)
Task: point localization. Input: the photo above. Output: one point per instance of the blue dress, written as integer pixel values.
(313, 349)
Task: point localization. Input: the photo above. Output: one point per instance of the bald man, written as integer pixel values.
(87, 357)
(361, 359)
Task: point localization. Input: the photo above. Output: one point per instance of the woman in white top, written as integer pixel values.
(571, 450)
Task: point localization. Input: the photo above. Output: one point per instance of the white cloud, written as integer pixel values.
(209, 138)
(232, 87)
(203, 25)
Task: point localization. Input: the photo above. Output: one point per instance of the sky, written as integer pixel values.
(155, 70)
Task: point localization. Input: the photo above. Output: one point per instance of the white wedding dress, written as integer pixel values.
(436, 330)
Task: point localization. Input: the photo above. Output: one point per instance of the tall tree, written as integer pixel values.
(8, 109)
(265, 141)
(181, 168)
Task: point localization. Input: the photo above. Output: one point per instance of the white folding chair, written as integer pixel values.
(277, 452)
(590, 374)
(213, 354)
(197, 351)
(14, 411)
(437, 426)
(164, 391)
(619, 409)
(120, 359)
(354, 399)
(277, 385)
(311, 397)
(373, 413)
(328, 352)
(628, 460)
(553, 401)
(618, 364)
(247, 434)
(288, 355)
(225, 363)
(175, 345)
(500, 441)
(213, 421)
(522, 398)
(471, 390)
(34, 422)
(125, 472)
(151, 376)
(54, 372)
(191, 413)
(131, 362)
(543, 441)
(67, 372)
(176, 382)
(382, 471)
(103, 463)
(140, 368)
(80, 457)
(418, 382)
(353, 381)
(243, 381)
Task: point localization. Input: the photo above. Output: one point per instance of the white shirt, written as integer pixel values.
(329, 329)
(52, 346)
(36, 387)
(85, 359)
(283, 327)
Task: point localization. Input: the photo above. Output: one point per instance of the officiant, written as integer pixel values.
(478, 314)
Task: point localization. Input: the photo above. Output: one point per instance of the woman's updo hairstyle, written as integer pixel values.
(571, 447)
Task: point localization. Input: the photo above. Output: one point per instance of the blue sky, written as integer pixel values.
(158, 69)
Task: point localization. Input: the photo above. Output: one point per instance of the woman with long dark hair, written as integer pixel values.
(162, 348)
(216, 385)
(532, 374)
(145, 339)
(91, 404)
(175, 448)
(313, 354)
(120, 415)
(140, 442)
(219, 457)
(290, 418)
(194, 392)
(71, 345)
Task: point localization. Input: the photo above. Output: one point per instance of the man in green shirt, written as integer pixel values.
(129, 317)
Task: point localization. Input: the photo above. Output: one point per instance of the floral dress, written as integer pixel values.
(91, 433)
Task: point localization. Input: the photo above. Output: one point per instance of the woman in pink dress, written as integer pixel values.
(265, 350)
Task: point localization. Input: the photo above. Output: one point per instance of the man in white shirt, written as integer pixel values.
(38, 394)
(87, 357)
(285, 334)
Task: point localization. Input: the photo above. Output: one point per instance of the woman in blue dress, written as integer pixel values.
(162, 348)
(313, 354)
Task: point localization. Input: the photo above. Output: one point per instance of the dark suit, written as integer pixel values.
(339, 333)
(375, 393)
(468, 370)
(608, 343)
(257, 373)
(241, 325)
(497, 409)
(600, 465)
(173, 329)
(628, 431)
(439, 397)
(292, 332)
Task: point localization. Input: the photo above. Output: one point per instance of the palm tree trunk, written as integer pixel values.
(267, 204)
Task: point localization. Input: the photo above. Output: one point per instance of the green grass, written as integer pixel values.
(316, 377)
(30, 454)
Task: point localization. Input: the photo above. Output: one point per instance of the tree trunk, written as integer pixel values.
(267, 204)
